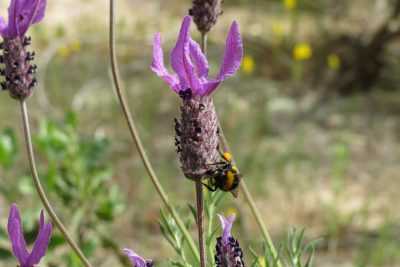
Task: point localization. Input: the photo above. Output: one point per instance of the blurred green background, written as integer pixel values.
(312, 118)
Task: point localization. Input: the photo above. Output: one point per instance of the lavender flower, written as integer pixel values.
(197, 130)
(228, 252)
(191, 65)
(18, 69)
(16, 236)
(137, 261)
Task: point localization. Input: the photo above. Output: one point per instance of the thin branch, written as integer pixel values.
(135, 135)
(40, 190)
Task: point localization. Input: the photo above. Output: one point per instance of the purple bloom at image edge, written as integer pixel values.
(136, 260)
(191, 65)
(18, 242)
(21, 15)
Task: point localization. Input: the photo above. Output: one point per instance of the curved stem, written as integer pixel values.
(200, 220)
(40, 190)
(248, 197)
(135, 136)
(250, 201)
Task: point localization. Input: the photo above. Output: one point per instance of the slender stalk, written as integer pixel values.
(249, 199)
(136, 138)
(200, 217)
(40, 190)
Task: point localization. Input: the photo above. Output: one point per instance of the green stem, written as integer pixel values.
(136, 138)
(200, 225)
(39, 187)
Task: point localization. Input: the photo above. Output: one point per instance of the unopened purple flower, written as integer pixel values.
(15, 232)
(137, 261)
(21, 15)
(228, 251)
(191, 65)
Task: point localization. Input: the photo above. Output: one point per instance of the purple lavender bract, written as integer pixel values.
(136, 260)
(228, 251)
(18, 242)
(18, 71)
(197, 130)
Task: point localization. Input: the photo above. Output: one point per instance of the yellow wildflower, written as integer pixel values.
(261, 261)
(75, 46)
(278, 29)
(231, 211)
(302, 51)
(63, 51)
(290, 4)
(248, 65)
(333, 61)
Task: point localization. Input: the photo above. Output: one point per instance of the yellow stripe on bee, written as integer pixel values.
(230, 178)
(227, 156)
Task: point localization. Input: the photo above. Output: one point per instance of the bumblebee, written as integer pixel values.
(225, 176)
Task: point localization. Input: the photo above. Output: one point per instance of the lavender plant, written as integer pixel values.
(19, 81)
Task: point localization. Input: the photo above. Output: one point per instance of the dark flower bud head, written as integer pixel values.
(19, 248)
(227, 250)
(136, 260)
(196, 130)
(205, 13)
(16, 58)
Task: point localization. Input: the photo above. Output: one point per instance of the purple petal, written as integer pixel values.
(137, 261)
(31, 12)
(233, 53)
(15, 234)
(226, 224)
(3, 26)
(199, 59)
(158, 66)
(11, 30)
(180, 59)
(40, 12)
(41, 243)
(209, 86)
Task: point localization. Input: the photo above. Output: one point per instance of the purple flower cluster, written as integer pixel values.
(16, 235)
(191, 65)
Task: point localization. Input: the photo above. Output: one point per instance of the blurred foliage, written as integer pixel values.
(75, 171)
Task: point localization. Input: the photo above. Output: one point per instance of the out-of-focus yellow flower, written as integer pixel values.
(231, 211)
(290, 4)
(75, 46)
(333, 61)
(277, 29)
(261, 261)
(302, 51)
(248, 65)
(63, 51)
(67, 50)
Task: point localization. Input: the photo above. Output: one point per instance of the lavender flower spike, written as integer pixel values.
(196, 131)
(18, 243)
(18, 71)
(191, 65)
(137, 261)
(228, 252)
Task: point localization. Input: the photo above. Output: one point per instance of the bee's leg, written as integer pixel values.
(212, 189)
